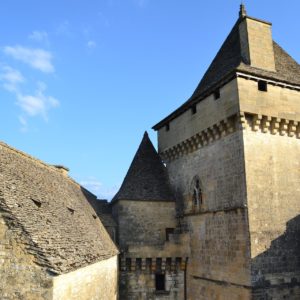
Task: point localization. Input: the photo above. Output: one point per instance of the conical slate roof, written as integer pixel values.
(146, 178)
(229, 61)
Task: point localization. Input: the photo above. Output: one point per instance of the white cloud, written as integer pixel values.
(39, 36)
(91, 44)
(97, 188)
(36, 58)
(11, 78)
(37, 104)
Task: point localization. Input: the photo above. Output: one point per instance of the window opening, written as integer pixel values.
(168, 232)
(197, 194)
(160, 282)
(262, 86)
(217, 94)
(194, 109)
(167, 127)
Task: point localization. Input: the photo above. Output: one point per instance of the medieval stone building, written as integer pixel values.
(214, 214)
(219, 217)
(52, 244)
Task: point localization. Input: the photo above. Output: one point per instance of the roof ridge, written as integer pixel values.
(38, 161)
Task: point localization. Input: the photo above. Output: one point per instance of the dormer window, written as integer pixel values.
(217, 94)
(262, 86)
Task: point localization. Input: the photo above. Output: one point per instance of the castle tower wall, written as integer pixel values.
(209, 148)
(272, 147)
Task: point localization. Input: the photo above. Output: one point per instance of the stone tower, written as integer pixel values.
(152, 261)
(232, 155)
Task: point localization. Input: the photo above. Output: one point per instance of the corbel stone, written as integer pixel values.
(275, 125)
(283, 128)
(256, 122)
(265, 124)
(144, 264)
(242, 122)
(215, 132)
(292, 128)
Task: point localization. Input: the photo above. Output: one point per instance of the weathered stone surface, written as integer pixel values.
(97, 281)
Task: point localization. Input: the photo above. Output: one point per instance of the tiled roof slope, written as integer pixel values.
(49, 211)
(146, 178)
(102, 209)
(229, 61)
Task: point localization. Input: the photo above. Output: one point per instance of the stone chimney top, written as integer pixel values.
(64, 170)
(243, 12)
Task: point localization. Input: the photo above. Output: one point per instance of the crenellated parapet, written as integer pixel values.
(240, 121)
(152, 264)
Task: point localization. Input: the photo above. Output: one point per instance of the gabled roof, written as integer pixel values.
(50, 213)
(146, 179)
(229, 61)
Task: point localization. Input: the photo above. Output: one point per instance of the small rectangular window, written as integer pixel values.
(217, 94)
(160, 282)
(168, 232)
(194, 109)
(167, 127)
(262, 86)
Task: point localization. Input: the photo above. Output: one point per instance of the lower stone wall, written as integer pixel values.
(98, 282)
(206, 290)
(20, 277)
(140, 285)
(288, 292)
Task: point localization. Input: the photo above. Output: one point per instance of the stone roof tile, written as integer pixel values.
(50, 213)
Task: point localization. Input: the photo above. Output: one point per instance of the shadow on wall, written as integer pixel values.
(277, 270)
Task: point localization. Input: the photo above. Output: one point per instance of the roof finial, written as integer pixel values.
(243, 12)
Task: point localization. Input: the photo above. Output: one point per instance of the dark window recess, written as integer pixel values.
(197, 194)
(168, 232)
(262, 86)
(160, 282)
(36, 202)
(138, 264)
(167, 127)
(94, 216)
(194, 109)
(71, 210)
(217, 94)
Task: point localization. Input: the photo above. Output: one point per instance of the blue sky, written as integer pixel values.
(80, 81)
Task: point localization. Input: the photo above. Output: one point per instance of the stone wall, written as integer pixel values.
(98, 282)
(273, 180)
(140, 285)
(209, 112)
(219, 239)
(20, 277)
(143, 222)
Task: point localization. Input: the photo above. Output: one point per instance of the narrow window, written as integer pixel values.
(262, 86)
(197, 194)
(194, 109)
(167, 127)
(168, 232)
(160, 282)
(217, 94)
(138, 264)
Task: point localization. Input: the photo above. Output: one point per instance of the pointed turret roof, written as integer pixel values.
(230, 60)
(146, 178)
